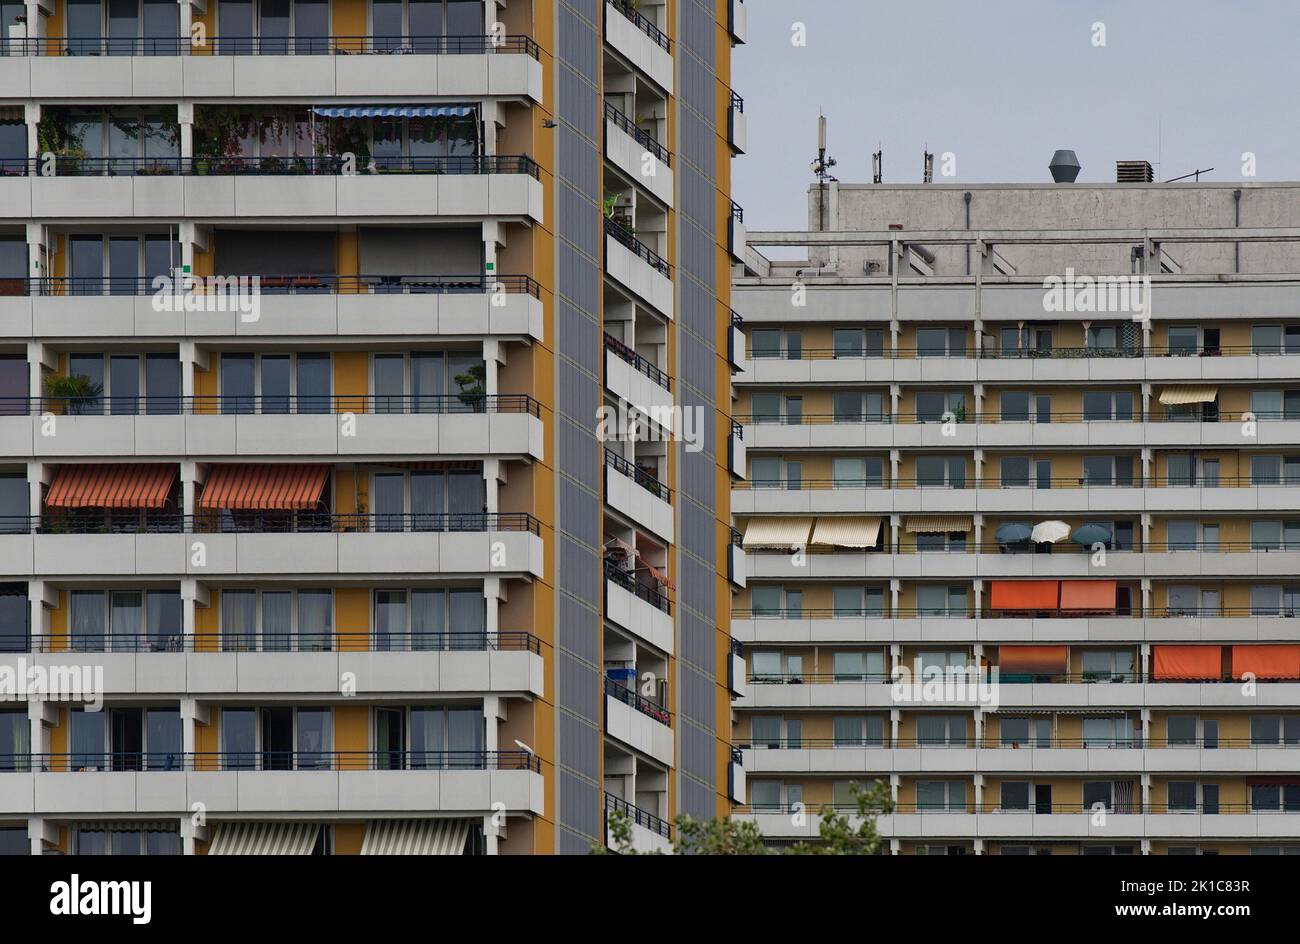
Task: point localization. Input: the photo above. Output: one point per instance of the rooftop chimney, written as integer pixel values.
(1134, 172)
(1065, 167)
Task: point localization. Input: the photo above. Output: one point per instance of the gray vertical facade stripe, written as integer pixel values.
(696, 306)
(579, 696)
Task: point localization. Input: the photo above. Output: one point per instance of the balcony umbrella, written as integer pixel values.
(1049, 532)
(1090, 534)
(1013, 532)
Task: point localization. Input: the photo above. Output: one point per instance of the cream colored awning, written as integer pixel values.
(783, 533)
(415, 837)
(854, 531)
(939, 524)
(1181, 396)
(272, 838)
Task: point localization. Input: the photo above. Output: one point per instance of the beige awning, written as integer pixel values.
(270, 838)
(856, 531)
(783, 533)
(1180, 396)
(939, 524)
(415, 837)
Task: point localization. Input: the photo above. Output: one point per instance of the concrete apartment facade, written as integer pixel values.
(963, 451)
(343, 555)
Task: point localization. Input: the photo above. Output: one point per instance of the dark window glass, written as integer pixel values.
(235, 27)
(313, 383)
(87, 265)
(13, 384)
(162, 27)
(237, 390)
(162, 384)
(274, 15)
(275, 383)
(124, 380)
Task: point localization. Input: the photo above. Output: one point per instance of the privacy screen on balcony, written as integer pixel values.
(1032, 660)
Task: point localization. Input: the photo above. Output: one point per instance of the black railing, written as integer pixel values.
(643, 138)
(642, 477)
(626, 239)
(640, 363)
(637, 815)
(271, 46)
(638, 701)
(737, 429)
(134, 521)
(324, 165)
(627, 580)
(912, 612)
(737, 103)
(861, 351)
(266, 405)
(736, 320)
(276, 284)
(233, 641)
(81, 762)
(643, 23)
(737, 212)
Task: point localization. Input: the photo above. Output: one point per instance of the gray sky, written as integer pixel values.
(1003, 83)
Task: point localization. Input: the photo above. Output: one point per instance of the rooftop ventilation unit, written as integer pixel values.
(1065, 167)
(1134, 172)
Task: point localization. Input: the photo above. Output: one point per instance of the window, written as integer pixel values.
(764, 343)
(940, 342)
(940, 471)
(1107, 732)
(948, 795)
(858, 666)
(1015, 796)
(1026, 732)
(1273, 730)
(1015, 471)
(939, 600)
(428, 382)
(1107, 405)
(1098, 793)
(430, 619)
(940, 730)
(765, 795)
(1181, 535)
(1015, 406)
(1181, 730)
(1275, 798)
(1184, 340)
(952, 541)
(1108, 470)
(1108, 665)
(765, 731)
(428, 500)
(866, 731)
(775, 667)
(125, 620)
(940, 407)
(1265, 601)
(1182, 796)
(858, 473)
(857, 407)
(849, 342)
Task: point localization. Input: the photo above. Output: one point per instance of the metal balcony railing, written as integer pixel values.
(627, 580)
(238, 165)
(134, 521)
(997, 744)
(270, 46)
(1130, 612)
(639, 475)
(260, 760)
(637, 815)
(267, 405)
(642, 364)
(643, 138)
(175, 640)
(859, 351)
(625, 238)
(642, 22)
(638, 701)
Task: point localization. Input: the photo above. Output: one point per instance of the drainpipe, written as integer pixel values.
(966, 198)
(1236, 222)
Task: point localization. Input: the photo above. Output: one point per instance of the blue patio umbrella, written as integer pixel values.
(1013, 531)
(1090, 534)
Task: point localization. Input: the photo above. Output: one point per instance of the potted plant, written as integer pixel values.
(75, 392)
(473, 392)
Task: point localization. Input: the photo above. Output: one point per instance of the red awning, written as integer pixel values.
(1092, 595)
(264, 487)
(1032, 660)
(111, 486)
(1024, 594)
(1189, 663)
(1266, 662)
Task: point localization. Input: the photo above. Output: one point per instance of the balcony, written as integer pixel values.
(736, 680)
(260, 188)
(639, 383)
(636, 493)
(638, 268)
(642, 610)
(736, 566)
(638, 723)
(318, 306)
(737, 21)
(460, 663)
(736, 232)
(736, 347)
(736, 459)
(51, 68)
(225, 426)
(636, 38)
(737, 128)
(343, 782)
(133, 543)
(650, 834)
(638, 155)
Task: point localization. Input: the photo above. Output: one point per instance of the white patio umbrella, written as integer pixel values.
(1049, 532)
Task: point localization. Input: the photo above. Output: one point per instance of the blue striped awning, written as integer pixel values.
(394, 111)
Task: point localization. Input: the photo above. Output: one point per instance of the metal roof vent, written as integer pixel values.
(1065, 167)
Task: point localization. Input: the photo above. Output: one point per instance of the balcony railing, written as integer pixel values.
(643, 23)
(86, 762)
(231, 641)
(635, 700)
(1134, 481)
(737, 103)
(280, 284)
(325, 165)
(637, 815)
(271, 46)
(264, 405)
(133, 521)
(996, 744)
(626, 239)
(1130, 612)
(639, 475)
(861, 352)
(627, 580)
(966, 673)
(643, 138)
(642, 364)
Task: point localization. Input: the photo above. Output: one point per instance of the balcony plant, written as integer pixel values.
(76, 392)
(473, 389)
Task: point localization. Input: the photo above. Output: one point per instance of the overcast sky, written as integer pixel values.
(1001, 84)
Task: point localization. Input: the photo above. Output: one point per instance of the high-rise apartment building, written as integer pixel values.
(1050, 431)
(321, 533)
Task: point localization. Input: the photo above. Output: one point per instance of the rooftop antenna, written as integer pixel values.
(821, 167)
(1195, 173)
(877, 164)
(927, 170)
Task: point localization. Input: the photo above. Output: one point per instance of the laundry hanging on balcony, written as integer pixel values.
(269, 838)
(393, 111)
(264, 488)
(415, 837)
(660, 577)
(1049, 532)
(126, 485)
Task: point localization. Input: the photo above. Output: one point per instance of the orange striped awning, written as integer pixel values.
(264, 487)
(111, 486)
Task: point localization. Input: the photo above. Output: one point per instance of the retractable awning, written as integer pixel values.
(1024, 594)
(1182, 396)
(939, 524)
(264, 487)
(1094, 595)
(415, 837)
(1188, 663)
(111, 486)
(1032, 660)
(274, 838)
(393, 111)
(858, 532)
(1266, 662)
(780, 533)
